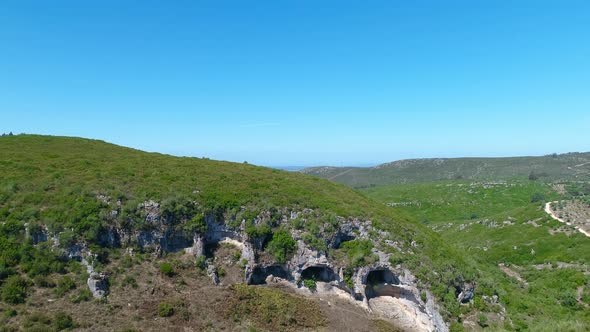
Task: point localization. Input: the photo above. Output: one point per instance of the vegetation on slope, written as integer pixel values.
(273, 310)
(537, 267)
(569, 166)
(59, 183)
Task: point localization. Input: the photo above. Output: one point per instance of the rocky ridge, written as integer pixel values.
(382, 288)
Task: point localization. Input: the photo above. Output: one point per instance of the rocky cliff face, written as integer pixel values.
(385, 289)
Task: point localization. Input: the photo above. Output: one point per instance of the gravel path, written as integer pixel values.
(554, 216)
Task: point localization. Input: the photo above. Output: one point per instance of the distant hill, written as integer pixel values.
(568, 166)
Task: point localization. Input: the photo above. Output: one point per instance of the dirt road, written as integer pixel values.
(554, 216)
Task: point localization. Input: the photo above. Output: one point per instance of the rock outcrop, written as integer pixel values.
(386, 290)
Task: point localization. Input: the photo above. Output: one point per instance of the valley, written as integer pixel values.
(97, 236)
(534, 266)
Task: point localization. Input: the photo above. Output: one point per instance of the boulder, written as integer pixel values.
(98, 284)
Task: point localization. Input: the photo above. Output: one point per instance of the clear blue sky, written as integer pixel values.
(301, 82)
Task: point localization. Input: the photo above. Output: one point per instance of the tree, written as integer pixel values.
(14, 290)
(537, 197)
(281, 246)
(167, 269)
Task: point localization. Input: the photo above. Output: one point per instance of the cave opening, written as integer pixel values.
(382, 282)
(341, 239)
(259, 274)
(382, 276)
(319, 273)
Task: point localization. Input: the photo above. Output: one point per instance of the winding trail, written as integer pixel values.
(554, 216)
(582, 164)
(339, 174)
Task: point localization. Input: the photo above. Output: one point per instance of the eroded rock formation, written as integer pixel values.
(386, 290)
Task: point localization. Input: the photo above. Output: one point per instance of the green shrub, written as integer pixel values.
(260, 231)
(243, 263)
(167, 269)
(348, 272)
(14, 290)
(83, 296)
(482, 320)
(456, 327)
(423, 296)
(63, 321)
(537, 197)
(359, 252)
(314, 241)
(201, 262)
(10, 312)
(37, 321)
(310, 284)
(568, 299)
(64, 285)
(197, 224)
(129, 281)
(43, 281)
(221, 272)
(165, 310)
(396, 259)
(281, 246)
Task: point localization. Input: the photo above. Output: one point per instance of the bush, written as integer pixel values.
(64, 285)
(482, 320)
(221, 272)
(201, 262)
(568, 299)
(129, 281)
(165, 310)
(260, 231)
(63, 321)
(167, 269)
(456, 327)
(37, 321)
(14, 290)
(537, 197)
(310, 284)
(348, 272)
(43, 281)
(281, 246)
(359, 252)
(423, 296)
(10, 313)
(83, 296)
(197, 224)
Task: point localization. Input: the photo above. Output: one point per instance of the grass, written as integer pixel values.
(434, 202)
(273, 310)
(497, 224)
(65, 184)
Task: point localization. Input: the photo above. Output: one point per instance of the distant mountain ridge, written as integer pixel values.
(555, 167)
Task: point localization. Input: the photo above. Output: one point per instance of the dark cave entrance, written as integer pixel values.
(382, 276)
(319, 273)
(259, 274)
(341, 239)
(382, 283)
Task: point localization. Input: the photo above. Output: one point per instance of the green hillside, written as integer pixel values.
(569, 166)
(68, 187)
(538, 267)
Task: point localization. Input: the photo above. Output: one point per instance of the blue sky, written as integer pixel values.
(301, 82)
